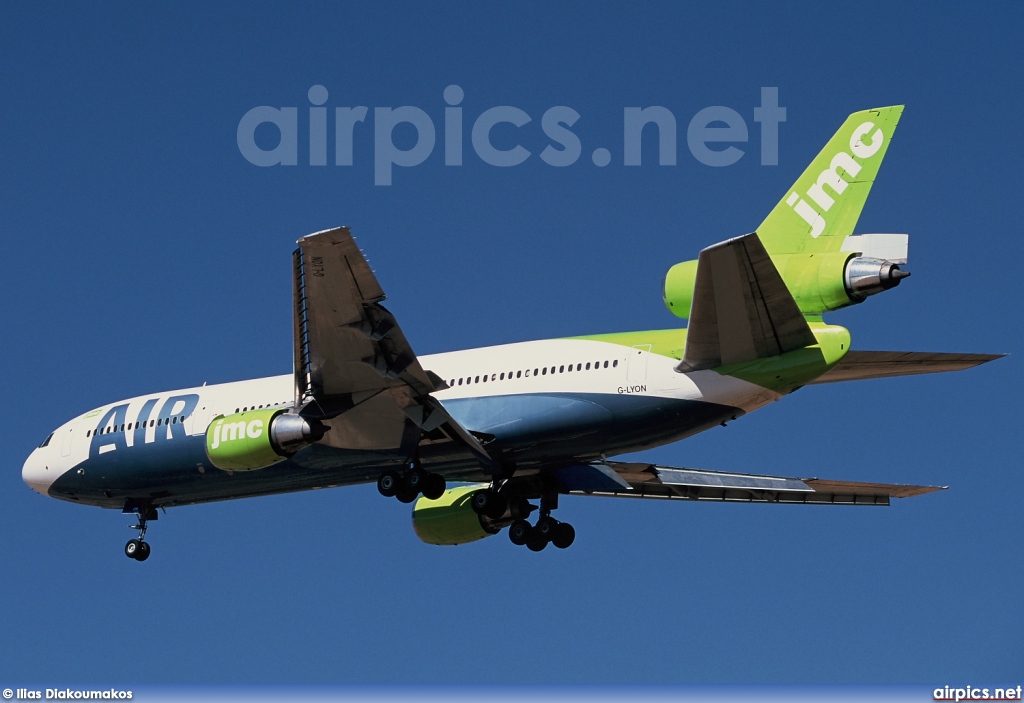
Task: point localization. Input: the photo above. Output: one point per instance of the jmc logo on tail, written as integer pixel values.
(830, 177)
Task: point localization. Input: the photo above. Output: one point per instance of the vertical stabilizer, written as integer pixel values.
(823, 206)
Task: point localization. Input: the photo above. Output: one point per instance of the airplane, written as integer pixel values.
(514, 427)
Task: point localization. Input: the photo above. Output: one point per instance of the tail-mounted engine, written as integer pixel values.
(865, 276)
(819, 282)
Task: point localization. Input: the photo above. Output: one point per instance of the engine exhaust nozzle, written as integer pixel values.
(866, 276)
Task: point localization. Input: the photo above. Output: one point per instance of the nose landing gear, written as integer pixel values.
(138, 549)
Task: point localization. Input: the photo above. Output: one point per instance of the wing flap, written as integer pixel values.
(655, 481)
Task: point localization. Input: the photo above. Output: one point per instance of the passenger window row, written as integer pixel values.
(135, 425)
(543, 371)
(247, 408)
(124, 427)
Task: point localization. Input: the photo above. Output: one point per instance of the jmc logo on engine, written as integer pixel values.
(231, 431)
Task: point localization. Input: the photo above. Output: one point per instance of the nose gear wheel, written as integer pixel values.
(138, 549)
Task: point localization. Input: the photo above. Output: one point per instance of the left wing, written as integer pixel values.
(638, 480)
(353, 364)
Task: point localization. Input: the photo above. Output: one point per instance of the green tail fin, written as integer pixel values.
(823, 206)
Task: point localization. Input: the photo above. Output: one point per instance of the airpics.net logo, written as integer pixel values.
(714, 135)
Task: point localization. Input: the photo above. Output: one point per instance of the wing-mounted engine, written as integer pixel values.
(256, 439)
(451, 518)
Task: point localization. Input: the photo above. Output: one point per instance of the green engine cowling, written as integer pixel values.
(678, 290)
(451, 519)
(819, 282)
(256, 439)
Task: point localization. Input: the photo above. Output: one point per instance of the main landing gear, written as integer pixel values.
(408, 484)
(490, 503)
(138, 549)
(547, 530)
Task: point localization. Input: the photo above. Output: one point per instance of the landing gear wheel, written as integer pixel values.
(520, 532)
(488, 503)
(546, 528)
(536, 543)
(434, 487)
(143, 552)
(480, 501)
(133, 548)
(137, 548)
(406, 496)
(497, 507)
(388, 483)
(415, 480)
(564, 535)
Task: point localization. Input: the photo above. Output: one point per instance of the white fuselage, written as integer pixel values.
(585, 390)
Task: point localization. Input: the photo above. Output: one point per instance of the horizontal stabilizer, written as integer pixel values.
(741, 310)
(638, 480)
(861, 365)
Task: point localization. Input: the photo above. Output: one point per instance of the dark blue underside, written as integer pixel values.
(530, 431)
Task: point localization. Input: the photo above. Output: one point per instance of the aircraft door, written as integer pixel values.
(65, 447)
(199, 419)
(636, 368)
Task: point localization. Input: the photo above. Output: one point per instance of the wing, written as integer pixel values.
(741, 308)
(639, 480)
(860, 365)
(353, 364)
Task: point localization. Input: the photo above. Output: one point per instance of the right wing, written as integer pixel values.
(638, 480)
(348, 347)
(353, 365)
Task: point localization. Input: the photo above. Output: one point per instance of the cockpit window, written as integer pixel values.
(47, 440)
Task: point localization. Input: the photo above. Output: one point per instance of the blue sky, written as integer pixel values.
(140, 251)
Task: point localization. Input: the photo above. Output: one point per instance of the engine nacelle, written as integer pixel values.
(256, 439)
(451, 519)
(678, 289)
(818, 282)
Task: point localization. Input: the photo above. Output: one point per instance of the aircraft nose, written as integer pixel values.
(37, 474)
